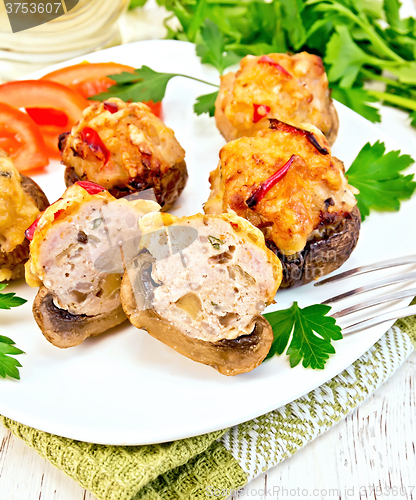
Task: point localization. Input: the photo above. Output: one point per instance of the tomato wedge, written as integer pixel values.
(156, 108)
(22, 139)
(50, 134)
(90, 79)
(54, 107)
(44, 94)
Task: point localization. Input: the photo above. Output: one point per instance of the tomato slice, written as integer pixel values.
(8, 141)
(90, 79)
(23, 139)
(156, 108)
(50, 134)
(43, 94)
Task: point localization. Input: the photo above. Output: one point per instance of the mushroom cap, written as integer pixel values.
(64, 329)
(228, 348)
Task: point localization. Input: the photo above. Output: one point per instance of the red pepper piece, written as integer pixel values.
(265, 186)
(284, 127)
(272, 62)
(58, 213)
(48, 116)
(260, 111)
(30, 231)
(91, 137)
(111, 106)
(90, 187)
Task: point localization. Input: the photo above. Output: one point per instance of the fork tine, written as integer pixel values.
(411, 292)
(397, 314)
(373, 286)
(401, 261)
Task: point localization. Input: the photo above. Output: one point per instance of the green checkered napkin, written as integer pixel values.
(212, 465)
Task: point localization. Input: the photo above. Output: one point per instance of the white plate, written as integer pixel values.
(125, 387)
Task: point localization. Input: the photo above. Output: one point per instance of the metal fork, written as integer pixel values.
(381, 318)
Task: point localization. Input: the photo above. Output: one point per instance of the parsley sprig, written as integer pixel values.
(144, 84)
(377, 175)
(359, 41)
(310, 331)
(9, 300)
(212, 49)
(9, 366)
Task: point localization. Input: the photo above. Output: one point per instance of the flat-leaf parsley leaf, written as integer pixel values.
(212, 49)
(145, 84)
(310, 330)
(9, 300)
(8, 365)
(377, 175)
(206, 104)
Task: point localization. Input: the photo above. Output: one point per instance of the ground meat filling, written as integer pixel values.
(79, 257)
(223, 284)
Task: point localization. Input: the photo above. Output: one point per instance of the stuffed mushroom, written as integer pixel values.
(79, 249)
(21, 200)
(199, 285)
(286, 183)
(125, 148)
(293, 89)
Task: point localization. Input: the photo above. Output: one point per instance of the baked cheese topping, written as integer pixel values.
(17, 209)
(290, 211)
(136, 143)
(293, 90)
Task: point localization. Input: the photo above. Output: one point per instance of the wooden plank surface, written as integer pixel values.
(370, 455)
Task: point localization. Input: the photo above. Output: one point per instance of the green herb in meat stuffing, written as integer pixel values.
(215, 242)
(97, 222)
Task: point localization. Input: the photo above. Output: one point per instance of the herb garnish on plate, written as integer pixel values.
(359, 41)
(310, 330)
(9, 365)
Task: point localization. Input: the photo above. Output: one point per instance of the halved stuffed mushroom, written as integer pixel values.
(125, 148)
(21, 200)
(200, 284)
(293, 89)
(286, 183)
(79, 249)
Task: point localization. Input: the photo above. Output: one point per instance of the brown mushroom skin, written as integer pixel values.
(35, 192)
(15, 260)
(323, 255)
(229, 357)
(63, 329)
(167, 187)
